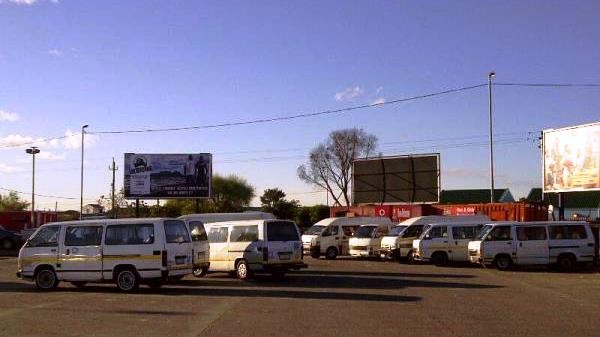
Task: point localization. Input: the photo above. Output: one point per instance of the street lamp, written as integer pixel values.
(33, 151)
(81, 191)
(490, 76)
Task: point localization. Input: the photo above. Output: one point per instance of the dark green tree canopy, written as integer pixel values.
(12, 202)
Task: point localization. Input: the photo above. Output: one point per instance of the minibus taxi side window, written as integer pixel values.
(132, 234)
(531, 233)
(437, 232)
(45, 237)
(500, 233)
(564, 232)
(244, 234)
(463, 232)
(218, 234)
(176, 231)
(83, 236)
(327, 231)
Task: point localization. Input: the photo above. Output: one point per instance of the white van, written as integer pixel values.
(366, 241)
(331, 236)
(198, 225)
(533, 243)
(444, 243)
(254, 246)
(124, 251)
(401, 246)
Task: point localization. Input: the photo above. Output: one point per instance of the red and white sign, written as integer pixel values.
(460, 210)
(383, 211)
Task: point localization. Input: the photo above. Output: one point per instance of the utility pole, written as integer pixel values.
(113, 168)
(490, 76)
(81, 185)
(33, 151)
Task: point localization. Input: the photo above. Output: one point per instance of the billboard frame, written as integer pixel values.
(210, 175)
(543, 150)
(439, 178)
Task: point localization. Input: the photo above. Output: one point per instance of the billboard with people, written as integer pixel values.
(166, 176)
(571, 158)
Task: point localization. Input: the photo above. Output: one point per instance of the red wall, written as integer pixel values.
(16, 221)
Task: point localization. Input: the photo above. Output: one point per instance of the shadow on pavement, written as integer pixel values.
(384, 274)
(218, 292)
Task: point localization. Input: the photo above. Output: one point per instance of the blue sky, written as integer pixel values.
(144, 64)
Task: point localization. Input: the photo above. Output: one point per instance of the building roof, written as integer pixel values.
(475, 196)
(587, 199)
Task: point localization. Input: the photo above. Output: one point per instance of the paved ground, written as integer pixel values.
(331, 298)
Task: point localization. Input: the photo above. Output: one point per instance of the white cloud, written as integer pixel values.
(73, 140)
(55, 52)
(28, 2)
(18, 140)
(6, 169)
(378, 100)
(8, 116)
(348, 94)
(50, 155)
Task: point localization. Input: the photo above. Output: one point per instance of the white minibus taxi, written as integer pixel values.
(255, 246)
(331, 236)
(444, 243)
(124, 251)
(198, 225)
(401, 246)
(366, 241)
(504, 244)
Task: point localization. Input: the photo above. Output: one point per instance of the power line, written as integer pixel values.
(301, 115)
(556, 85)
(38, 195)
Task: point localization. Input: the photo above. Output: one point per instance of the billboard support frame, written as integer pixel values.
(412, 171)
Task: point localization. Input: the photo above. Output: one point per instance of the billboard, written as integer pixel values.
(396, 180)
(166, 176)
(571, 158)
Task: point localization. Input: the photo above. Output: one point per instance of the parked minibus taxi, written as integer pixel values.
(255, 246)
(331, 236)
(505, 244)
(366, 241)
(199, 224)
(401, 246)
(446, 242)
(124, 251)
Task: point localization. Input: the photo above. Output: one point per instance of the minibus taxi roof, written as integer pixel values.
(535, 223)
(107, 221)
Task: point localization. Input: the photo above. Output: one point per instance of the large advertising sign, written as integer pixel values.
(396, 180)
(166, 176)
(571, 158)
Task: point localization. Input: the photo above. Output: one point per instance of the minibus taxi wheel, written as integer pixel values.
(566, 262)
(439, 258)
(200, 271)
(126, 279)
(45, 278)
(242, 271)
(503, 262)
(331, 253)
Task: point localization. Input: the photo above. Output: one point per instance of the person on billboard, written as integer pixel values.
(201, 172)
(188, 171)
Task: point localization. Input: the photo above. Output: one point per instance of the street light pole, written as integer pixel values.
(81, 191)
(490, 76)
(33, 151)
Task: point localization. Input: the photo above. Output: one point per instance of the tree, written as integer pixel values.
(330, 162)
(273, 201)
(12, 202)
(230, 194)
(318, 213)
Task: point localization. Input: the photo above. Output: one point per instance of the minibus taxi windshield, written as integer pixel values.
(483, 232)
(397, 230)
(364, 232)
(315, 230)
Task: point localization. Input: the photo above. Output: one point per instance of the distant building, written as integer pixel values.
(93, 209)
(476, 196)
(578, 205)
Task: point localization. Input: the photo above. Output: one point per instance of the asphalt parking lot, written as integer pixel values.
(332, 298)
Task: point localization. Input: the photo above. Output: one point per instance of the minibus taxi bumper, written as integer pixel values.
(310, 250)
